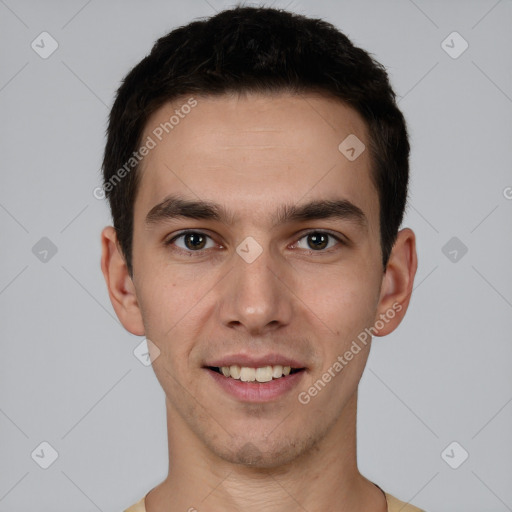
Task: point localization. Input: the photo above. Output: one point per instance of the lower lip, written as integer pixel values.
(257, 392)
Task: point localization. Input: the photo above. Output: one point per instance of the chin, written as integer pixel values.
(261, 454)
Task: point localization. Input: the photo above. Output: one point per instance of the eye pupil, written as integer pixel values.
(319, 240)
(194, 241)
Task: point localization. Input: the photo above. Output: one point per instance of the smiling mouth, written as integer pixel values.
(262, 374)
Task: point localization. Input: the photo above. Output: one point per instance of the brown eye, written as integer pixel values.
(318, 241)
(194, 241)
(191, 241)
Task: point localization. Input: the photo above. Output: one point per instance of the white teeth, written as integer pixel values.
(262, 374)
(247, 374)
(277, 371)
(234, 371)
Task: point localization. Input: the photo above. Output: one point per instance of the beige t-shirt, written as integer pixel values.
(394, 505)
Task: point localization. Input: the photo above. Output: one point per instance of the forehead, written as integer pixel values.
(254, 151)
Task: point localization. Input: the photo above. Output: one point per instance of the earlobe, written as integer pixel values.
(397, 283)
(119, 283)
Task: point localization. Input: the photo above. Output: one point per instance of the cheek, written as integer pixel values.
(164, 293)
(346, 308)
(173, 308)
(344, 301)
(163, 303)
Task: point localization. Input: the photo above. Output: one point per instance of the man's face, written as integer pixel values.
(313, 287)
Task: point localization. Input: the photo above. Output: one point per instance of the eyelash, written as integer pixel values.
(200, 252)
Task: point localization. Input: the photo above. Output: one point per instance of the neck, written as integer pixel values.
(324, 477)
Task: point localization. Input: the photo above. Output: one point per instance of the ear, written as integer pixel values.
(397, 283)
(119, 283)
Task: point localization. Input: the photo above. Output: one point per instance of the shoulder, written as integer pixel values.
(137, 507)
(395, 505)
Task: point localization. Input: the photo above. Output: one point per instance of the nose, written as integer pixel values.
(257, 297)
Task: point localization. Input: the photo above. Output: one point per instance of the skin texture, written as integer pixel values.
(253, 154)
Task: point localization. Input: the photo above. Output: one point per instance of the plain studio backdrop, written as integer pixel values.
(435, 410)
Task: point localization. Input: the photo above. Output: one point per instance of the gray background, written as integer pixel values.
(68, 375)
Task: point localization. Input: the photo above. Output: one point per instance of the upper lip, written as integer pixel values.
(256, 361)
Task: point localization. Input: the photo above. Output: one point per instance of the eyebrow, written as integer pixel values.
(174, 207)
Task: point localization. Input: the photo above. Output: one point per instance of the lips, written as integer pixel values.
(249, 361)
(257, 379)
(253, 387)
(262, 369)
